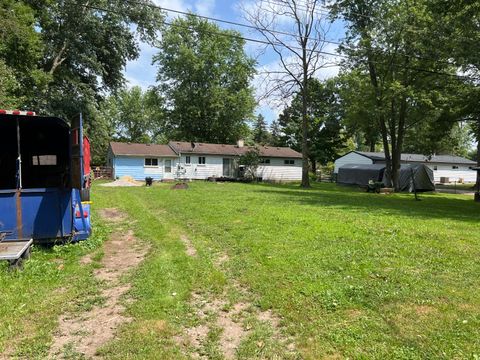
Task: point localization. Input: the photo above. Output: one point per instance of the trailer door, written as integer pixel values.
(76, 134)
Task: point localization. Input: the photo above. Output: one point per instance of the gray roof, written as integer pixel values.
(121, 148)
(443, 159)
(231, 150)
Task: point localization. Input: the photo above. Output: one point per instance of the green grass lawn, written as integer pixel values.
(350, 274)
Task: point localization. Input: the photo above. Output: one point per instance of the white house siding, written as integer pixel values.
(213, 167)
(351, 158)
(463, 173)
(278, 171)
(275, 171)
(134, 166)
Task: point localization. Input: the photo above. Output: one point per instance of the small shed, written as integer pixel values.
(422, 175)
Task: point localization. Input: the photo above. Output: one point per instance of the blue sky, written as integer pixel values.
(141, 72)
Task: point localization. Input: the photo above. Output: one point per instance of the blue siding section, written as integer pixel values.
(134, 167)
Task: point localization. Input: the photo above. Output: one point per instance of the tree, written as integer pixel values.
(458, 24)
(21, 51)
(205, 76)
(134, 115)
(358, 103)
(385, 41)
(260, 132)
(300, 55)
(8, 88)
(250, 160)
(86, 47)
(324, 133)
(276, 134)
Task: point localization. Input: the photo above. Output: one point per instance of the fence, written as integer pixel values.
(102, 172)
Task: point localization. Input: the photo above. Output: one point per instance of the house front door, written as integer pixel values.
(228, 167)
(167, 169)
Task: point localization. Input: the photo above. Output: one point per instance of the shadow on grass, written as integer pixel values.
(431, 206)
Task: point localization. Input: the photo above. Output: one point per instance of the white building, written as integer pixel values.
(203, 160)
(191, 160)
(455, 168)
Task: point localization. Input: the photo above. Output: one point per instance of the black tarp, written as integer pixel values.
(360, 174)
(412, 176)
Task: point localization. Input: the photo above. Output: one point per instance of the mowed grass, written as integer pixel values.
(352, 275)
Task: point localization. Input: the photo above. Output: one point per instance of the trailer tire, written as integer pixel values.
(85, 194)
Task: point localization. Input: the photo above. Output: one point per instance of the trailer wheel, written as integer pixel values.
(85, 194)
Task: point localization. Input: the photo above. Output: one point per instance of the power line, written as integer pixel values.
(240, 37)
(282, 33)
(252, 27)
(264, 42)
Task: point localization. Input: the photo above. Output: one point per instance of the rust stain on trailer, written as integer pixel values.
(19, 215)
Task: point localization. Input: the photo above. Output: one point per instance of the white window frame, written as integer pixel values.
(288, 162)
(188, 160)
(151, 166)
(200, 160)
(265, 161)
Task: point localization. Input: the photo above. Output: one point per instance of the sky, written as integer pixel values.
(141, 72)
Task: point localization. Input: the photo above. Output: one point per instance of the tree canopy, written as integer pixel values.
(204, 76)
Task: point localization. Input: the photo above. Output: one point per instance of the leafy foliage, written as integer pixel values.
(260, 132)
(204, 77)
(325, 138)
(250, 160)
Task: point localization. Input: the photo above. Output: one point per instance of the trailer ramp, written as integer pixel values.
(14, 251)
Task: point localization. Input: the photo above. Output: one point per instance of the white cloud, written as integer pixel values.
(202, 7)
(205, 7)
(178, 5)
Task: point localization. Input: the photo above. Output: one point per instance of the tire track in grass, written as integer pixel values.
(230, 319)
(82, 334)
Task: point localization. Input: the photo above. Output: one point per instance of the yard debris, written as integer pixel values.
(123, 181)
(86, 332)
(180, 186)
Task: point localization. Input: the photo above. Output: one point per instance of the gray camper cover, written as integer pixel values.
(352, 174)
(422, 175)
(360, 174)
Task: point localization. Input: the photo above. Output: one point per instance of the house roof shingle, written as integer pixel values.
(232, 150)
(444, 159)
(120, 148)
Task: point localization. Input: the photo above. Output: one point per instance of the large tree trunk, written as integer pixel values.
(477, 185)
(304, 89)
(305, 178)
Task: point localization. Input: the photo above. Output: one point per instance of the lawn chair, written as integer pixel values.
(374, 186)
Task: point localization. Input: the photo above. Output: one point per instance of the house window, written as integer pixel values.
(201, 160)
(187, 159)
(42, 160)
(289, 162)
(265, 161)
(454, 167)
(168, 166)
(435, 167)
(151, 162)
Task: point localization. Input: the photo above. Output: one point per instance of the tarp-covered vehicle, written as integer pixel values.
(44, 181)
(412, 177)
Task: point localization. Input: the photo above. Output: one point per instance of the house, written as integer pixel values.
(142, 160)
(455, 168)
(192, 160)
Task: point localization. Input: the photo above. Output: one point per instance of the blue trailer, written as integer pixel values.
(44, 182)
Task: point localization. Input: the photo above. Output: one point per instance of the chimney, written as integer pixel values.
(240, 143)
